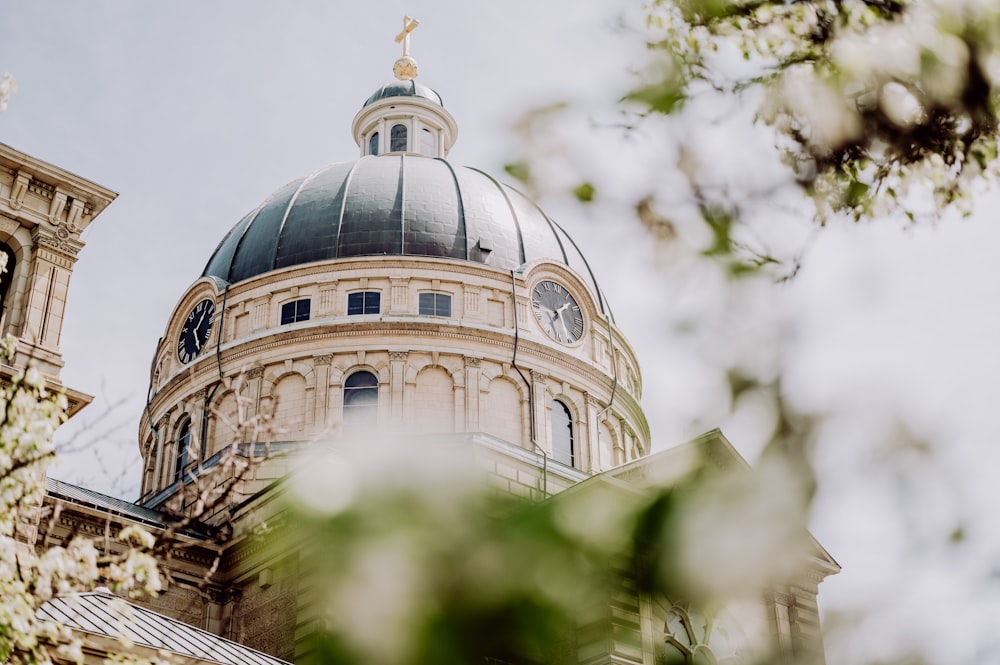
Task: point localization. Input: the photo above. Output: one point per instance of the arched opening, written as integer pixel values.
(373, 144)
(563, 443)
(360, 402)
(182, 449)
(397, 138)
(7, 276)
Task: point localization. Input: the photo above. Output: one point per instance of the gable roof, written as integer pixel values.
(103, 614)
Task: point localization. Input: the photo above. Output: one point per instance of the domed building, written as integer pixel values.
(396, 296)
(397, 293)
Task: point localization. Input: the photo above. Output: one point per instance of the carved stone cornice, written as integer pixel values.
(56, 205)
(18, 189)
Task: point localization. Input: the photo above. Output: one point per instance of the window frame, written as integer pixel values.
(435, 308)
(395, 138)
(183, 445)
(361, 402)
(297, 313)
(561, 443)
(366, 308)
(373, 146)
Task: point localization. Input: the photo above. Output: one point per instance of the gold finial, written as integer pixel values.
(405, 67)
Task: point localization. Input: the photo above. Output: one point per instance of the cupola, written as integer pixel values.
(403, 116)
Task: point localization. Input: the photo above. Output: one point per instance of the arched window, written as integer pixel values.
(360, 402)
(563, 445)
(397, 142)
(694, 638)
(373, 144)
(182, 450)
(7, 276)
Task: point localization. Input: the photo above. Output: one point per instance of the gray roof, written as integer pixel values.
(404, 89)
(81, 496)
(397, 205)
(101, 613)
(109, 504)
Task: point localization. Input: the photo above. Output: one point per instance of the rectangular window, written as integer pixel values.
(297, 310)
(435, 304)
(364, 302)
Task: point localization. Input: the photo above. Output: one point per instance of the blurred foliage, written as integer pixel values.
(439, 568)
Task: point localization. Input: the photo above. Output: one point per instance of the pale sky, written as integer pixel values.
(195, 112)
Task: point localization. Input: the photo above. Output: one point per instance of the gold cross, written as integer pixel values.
(409, 25)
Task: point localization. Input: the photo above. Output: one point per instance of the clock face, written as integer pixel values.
(557, 312)
(196, 330)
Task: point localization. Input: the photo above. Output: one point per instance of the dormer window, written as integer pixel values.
(397, 138)
(373, 144)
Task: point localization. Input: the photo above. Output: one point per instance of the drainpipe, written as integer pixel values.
(531, 391)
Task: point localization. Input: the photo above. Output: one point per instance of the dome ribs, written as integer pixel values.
(256, 249)
(433, 211)
(395, 205)
(462, 224)
(513, 216)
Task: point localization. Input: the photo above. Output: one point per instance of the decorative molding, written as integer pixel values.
(256, 372)
(398, 356)
(57, 205)
(18, 189)
(473, 362)
(324, 359)
(59, 251)
(74, 216)
(539, 377)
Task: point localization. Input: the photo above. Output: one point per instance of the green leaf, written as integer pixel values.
(856, 193)
(664, 96)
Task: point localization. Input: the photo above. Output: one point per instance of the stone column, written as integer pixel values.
(397, 376)
(199, 429)
(540, 409)
(48, 288)
(255, 377)
(472, 394)
(321, 365)
(592, 440)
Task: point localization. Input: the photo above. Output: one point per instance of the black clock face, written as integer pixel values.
(196, 330)
(557, 312)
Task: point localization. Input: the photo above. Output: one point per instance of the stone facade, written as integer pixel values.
(43, 211)
(435, 374)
